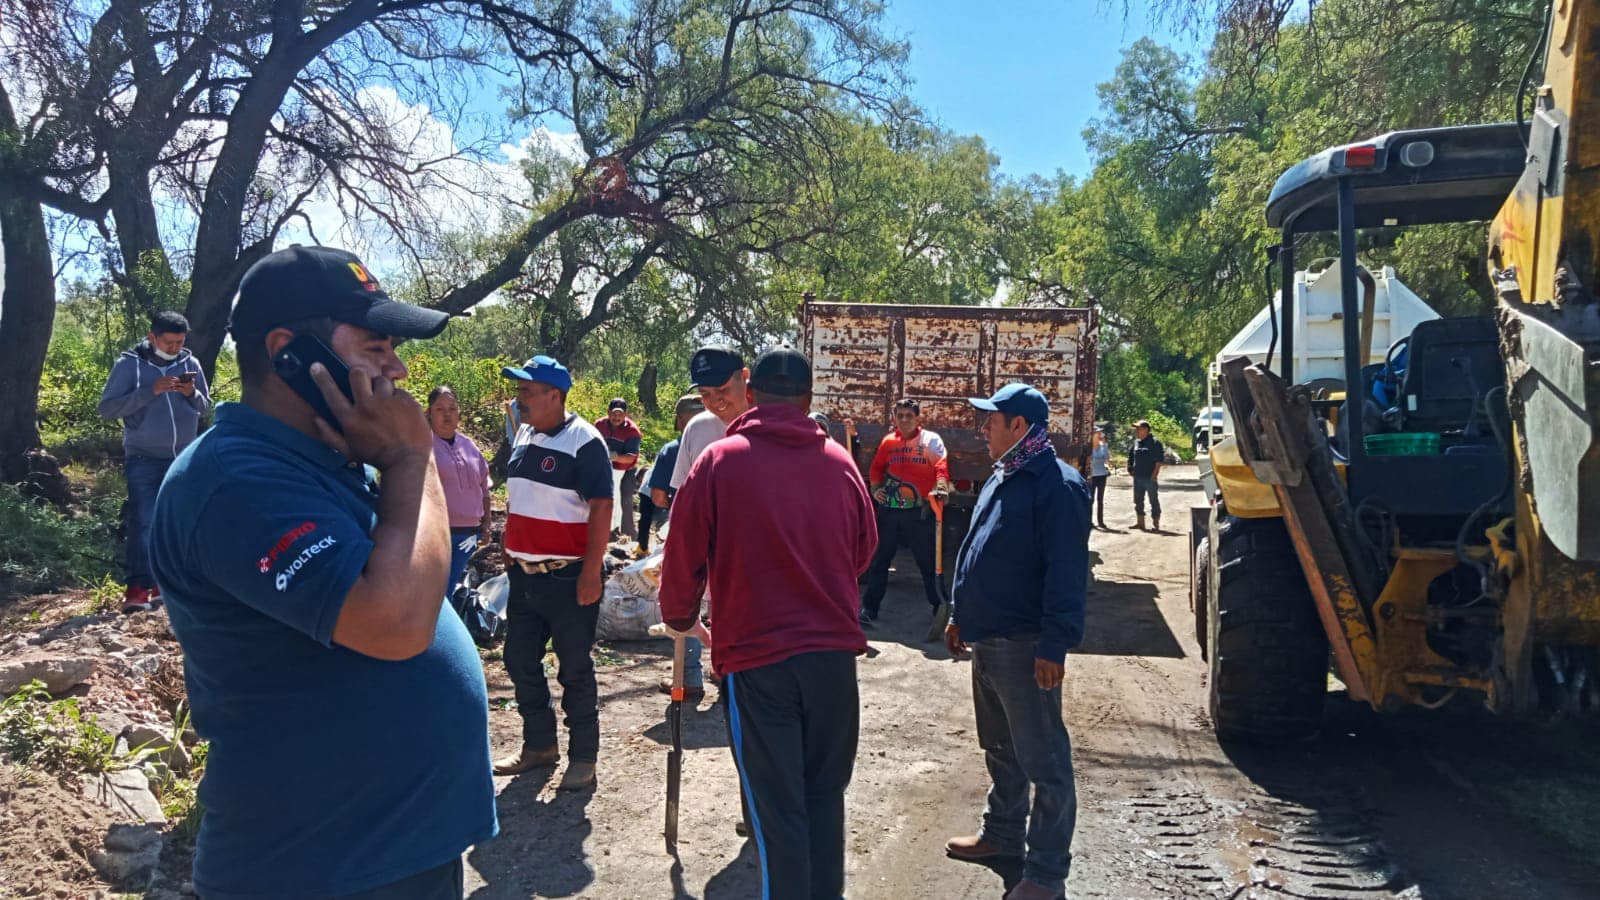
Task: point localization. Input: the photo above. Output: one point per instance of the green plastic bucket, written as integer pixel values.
(1412, 443)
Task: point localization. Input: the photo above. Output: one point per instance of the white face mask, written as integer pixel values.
(163, 355)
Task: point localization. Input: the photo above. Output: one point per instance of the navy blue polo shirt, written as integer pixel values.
(329, 772)
(661, 472)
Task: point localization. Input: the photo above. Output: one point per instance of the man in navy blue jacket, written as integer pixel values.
(1020, 580)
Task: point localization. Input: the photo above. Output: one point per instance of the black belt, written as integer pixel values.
(544, 567)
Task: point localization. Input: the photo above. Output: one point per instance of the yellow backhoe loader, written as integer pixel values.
(1432, 525)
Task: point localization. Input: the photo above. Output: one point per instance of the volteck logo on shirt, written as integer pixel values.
(306, 555)
(284, 543)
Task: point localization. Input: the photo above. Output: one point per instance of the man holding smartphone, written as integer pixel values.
(159, 393)
(307, 595)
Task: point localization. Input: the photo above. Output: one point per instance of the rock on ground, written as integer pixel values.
(60, 673)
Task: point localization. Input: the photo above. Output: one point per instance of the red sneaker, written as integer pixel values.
(137, 599)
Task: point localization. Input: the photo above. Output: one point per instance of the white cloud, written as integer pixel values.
(459, 194)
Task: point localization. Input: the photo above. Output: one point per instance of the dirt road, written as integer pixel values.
(1435, 805)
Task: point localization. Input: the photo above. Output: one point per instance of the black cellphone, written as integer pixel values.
(187, 378)
(293, 365)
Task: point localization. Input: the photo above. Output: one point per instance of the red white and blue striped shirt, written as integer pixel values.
(551, 479)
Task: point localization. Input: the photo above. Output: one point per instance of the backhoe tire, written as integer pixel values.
(1267, 651)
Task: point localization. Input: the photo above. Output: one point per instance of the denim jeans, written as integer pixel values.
(647, 520)
(144, 476)
(694, 674)
(914, 528)
(1025, 743)
(1097, 487)
(544, 609)
(463, 541)
(1141, 487)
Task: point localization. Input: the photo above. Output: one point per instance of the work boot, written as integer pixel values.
(1155, 524)
(579, 777)
(1140, 524)
(694, 694)
(1028, 890)
(527, 758)
(972, 848)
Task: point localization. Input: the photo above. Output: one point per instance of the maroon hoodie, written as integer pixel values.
(780, 518)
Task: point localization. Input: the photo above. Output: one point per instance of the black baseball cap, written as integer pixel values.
(306, 282)
(618, 403)
(713, 366)
(781, 372)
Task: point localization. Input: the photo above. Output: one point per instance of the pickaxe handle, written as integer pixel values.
(675, 755)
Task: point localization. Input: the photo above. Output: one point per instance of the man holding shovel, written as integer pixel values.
(780, 554)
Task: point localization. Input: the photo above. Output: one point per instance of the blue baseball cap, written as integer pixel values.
(541, 368)
(1017, 399)
(713, 366)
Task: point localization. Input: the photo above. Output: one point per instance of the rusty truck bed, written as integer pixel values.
(865, 356)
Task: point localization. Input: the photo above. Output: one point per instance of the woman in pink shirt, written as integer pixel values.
(465, 475)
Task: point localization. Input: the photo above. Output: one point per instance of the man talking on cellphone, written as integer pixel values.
(304, 565)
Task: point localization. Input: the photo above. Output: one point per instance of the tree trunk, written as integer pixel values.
(138, 232)
(647, 389)
(27, 316)
(220, 256)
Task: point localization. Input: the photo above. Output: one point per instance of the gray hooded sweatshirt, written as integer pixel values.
(157, 427)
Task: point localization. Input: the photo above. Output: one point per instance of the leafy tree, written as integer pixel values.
(188, 134)
(1167, 236)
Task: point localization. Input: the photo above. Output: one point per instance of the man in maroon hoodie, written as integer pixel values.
(777, 519)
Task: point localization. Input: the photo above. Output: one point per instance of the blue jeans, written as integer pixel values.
(1142, 487)
(1025, 743)
(463, 541)
(144, 476)
(694, 675)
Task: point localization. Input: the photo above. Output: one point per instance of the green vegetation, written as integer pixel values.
(850, 196)
(43, 548)
(179, 791)
(53, 735)
(1167, 234)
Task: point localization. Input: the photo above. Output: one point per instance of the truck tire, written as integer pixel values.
(1267, 651)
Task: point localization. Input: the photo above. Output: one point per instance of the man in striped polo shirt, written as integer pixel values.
(558, 505)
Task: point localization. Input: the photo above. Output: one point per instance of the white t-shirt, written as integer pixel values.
(702, 430)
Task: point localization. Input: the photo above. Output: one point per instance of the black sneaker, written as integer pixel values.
(867, 619)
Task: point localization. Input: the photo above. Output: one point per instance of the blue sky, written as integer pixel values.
(1020, 73)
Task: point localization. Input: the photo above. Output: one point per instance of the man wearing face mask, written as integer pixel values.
(304, 562)
(1018, 605)
(159, 392)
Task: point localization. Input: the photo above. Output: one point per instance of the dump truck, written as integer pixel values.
(1433, 525)
(866, 356)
